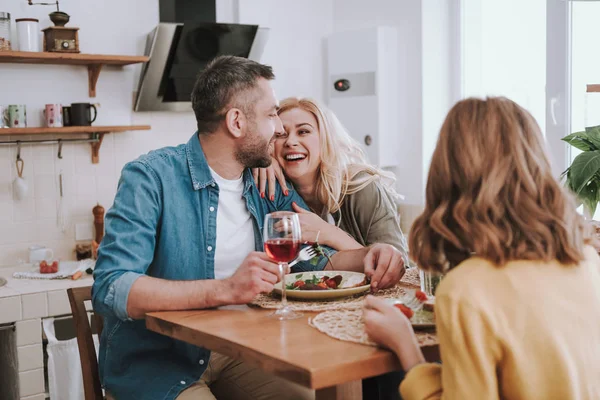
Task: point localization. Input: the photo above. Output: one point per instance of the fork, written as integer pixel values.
(304, 255)
(411, 301)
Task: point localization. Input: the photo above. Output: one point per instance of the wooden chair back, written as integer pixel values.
(85, 341)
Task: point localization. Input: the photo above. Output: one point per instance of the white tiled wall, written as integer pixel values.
(31, 382)
(29, 332)
(58, 303)
(41, 396)
(30, 357)
(10, 309)
(35, 397)
(34, 305)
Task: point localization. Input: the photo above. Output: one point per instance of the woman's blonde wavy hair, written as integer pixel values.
(342, 159)
(490, 192)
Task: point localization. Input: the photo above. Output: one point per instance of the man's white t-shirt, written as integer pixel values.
(235, 230)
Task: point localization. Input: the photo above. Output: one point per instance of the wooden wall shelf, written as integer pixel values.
(72, 130)
(96, 132)
(94, 62)
(593, 88)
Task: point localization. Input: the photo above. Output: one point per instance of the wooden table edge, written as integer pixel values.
(217, 344)
(311, 378)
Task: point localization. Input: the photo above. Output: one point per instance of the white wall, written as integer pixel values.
(294, 49)
(295, 46)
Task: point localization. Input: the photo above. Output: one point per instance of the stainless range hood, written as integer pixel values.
(178, 52)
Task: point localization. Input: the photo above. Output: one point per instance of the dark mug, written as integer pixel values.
(66, 114)
(81, 114)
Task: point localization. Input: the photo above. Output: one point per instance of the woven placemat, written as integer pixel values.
(410, 280)
(348, 325)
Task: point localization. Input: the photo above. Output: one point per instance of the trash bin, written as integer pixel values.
(9, 368)
(65, 380)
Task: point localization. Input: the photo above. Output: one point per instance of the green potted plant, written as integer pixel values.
(583, 176)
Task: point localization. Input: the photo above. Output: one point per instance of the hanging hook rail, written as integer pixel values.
(51, 141)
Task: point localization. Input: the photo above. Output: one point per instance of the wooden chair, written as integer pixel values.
(85, 341)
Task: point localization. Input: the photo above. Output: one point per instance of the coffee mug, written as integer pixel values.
(53, 115)
(40, 253)
(66, 115)
(3, 117)
(80, 114)
(17, 116)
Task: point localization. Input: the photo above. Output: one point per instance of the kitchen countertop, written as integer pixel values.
(18, 287)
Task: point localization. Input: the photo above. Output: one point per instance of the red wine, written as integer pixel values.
(282, 250)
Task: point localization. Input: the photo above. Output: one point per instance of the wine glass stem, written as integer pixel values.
(282, 271)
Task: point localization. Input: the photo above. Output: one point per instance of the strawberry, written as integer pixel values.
(298, 284)
(54, 267)
(322, 285)
(421, 296)
(405, 310)
(44, 267)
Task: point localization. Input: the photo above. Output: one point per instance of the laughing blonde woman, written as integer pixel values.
(353, 203)
(518, 313)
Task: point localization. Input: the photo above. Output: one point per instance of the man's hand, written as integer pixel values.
(384, 266)
(257, 274)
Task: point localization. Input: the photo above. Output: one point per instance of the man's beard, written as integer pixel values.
(253, 152)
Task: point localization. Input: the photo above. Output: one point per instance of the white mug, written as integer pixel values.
(40, 253)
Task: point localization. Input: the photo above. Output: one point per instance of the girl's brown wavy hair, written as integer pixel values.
(490, 192)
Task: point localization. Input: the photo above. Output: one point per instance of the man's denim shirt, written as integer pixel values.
(163, 224)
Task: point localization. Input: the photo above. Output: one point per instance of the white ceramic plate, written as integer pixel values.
(347, 278)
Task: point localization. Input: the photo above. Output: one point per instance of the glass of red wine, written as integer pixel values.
(282, 242)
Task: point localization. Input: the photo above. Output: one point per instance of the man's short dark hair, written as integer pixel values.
(217, 84)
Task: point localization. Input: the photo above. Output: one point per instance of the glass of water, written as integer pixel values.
(429, 282)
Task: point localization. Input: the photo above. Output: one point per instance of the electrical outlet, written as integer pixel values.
(84, 231)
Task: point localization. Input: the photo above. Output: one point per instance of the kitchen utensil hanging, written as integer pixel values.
(60, 215)
(20, 186)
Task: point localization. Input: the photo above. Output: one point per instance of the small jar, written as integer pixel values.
(5, 31)
(28, 34)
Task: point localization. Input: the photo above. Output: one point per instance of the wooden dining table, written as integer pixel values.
(289, 349)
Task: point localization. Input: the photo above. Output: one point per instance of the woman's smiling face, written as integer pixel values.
(298, 148)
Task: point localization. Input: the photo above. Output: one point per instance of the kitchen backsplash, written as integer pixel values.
(33, 220)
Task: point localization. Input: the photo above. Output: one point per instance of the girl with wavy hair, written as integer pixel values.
(518, 312)
(353, 203)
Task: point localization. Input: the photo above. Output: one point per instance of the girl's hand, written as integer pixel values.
(311, 224)
(387, 326)
(264, 176)
(329, 235)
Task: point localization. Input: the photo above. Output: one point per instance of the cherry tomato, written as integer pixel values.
(421, 296)
(405, 310)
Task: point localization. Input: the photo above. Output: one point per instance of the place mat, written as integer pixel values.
(410, 280)
(348, 325)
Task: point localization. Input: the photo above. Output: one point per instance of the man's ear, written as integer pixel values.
(235, 120)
